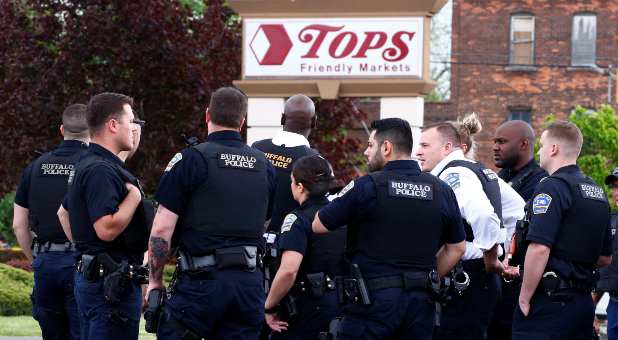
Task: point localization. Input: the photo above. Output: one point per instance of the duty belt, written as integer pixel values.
(315, 284)
(552, 283)
(45, 247)
(408, 281)
(241, 257)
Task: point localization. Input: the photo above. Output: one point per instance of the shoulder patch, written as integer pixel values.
(453, 180)
(346, 189)
(490, 175)
(287, 222)
(541, 203)
(177, 158)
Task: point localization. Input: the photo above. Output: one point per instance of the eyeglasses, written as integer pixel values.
(139, 122)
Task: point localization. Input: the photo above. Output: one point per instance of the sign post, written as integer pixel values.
(331, 49)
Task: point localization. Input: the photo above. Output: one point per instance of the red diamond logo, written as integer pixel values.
(270, 44)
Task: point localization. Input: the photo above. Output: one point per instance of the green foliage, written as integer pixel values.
(6, 217)
(15, 291)
(600, 148)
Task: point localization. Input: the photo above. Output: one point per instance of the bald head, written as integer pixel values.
(298, 115)
(513, 144)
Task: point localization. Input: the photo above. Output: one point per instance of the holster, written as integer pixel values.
(288, 305)
(116, 282)
(90, 267)
(153, 312)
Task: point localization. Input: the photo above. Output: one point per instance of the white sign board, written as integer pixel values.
(333, 48)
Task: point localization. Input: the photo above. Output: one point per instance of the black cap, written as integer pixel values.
(612, 177)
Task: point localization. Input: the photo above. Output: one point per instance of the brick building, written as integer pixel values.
(525, 59)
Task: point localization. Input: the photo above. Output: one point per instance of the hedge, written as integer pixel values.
(15, 291)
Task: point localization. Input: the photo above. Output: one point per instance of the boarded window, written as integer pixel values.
(522, 39)
(583, 41)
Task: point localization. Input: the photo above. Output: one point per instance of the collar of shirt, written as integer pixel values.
(225, 135)
(510, 173)
(72, 144)
(311, 201)
(289, 139)
(103, 152)
(455, 155)
(568, 169)
(402, 164)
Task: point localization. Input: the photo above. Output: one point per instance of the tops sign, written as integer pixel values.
(349, 47)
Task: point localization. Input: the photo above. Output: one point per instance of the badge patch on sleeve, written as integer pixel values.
(414, 190)
(541, 203)
(177, 157)
(452, 180)
(287, 222)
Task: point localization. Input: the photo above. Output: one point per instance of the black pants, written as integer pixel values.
(501, 324)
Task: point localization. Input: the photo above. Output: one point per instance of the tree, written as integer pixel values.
(167, 54)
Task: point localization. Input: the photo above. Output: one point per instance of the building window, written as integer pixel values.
(522, 40)
(520, 114)
(584, 40)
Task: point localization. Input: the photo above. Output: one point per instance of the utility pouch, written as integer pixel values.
(236, 257)
(89, 267)
(289, 306)
(316, 284)
(116, 282)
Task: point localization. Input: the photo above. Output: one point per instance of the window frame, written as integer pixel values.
(513, 17)
(574, 17)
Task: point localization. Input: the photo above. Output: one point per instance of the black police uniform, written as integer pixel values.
(282, 158)
(314, 293)
(96, 190)
(523, 181)
(608, 282)
(397, 220)
(41, 190)
(570, 214)
(222, 192)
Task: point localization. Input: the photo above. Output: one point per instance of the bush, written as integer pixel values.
(15, 291)
(6, 218)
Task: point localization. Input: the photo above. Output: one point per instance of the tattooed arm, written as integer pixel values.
(159, 245)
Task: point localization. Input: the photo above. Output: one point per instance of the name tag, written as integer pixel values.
(405, 189)
(55, 169)
(592, 192)
(490, 175)
(236, 161)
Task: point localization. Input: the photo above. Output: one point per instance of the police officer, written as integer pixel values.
(214, 199)
(40, 192)
(309, 262)
(514, 153)
(568, 235)
(285, 148)
(609, 275)
(398, 218)
(107, 224)
(478, 196)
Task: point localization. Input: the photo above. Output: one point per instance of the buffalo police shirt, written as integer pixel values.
(552, 198)
(188, 170)
(66, 148)
(525, 179)
(359, 198)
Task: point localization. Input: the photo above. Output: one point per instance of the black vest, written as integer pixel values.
(584, 224)
(133, 241)
(405, 227)
(325, 252)
(609, 275)
(232, 202)
(282, 158)
(491, 187)
(48, 186)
